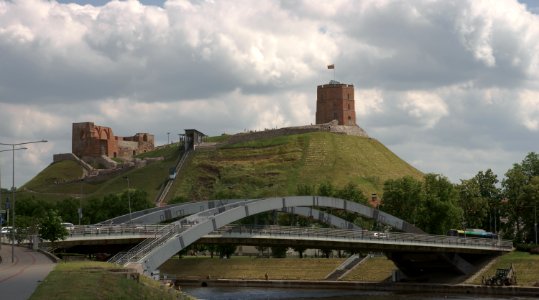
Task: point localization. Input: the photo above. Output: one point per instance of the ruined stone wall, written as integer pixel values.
(89, 140)
(328, 127)
(127, 149)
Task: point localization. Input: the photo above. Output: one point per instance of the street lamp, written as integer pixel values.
(168, 137)
(535, 221)
(13, 195)
(80, 201)
(129, 200)
(1, 217)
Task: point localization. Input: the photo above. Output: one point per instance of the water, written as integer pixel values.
(255, 293)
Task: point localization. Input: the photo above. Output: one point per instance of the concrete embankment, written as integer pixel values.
(390, 287)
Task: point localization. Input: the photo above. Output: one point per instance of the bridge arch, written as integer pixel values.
(149, 255)
(170, 212)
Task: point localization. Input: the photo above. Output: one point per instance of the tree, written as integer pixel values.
(226, 250)
(326, 189)
(278, 251)
(474, 206)
(440, 211)
(403, 198)
(513, 188)
(487, 182)
(261, 249)
(51, 227)
(300, 250)
(68, 210)
(530, 197)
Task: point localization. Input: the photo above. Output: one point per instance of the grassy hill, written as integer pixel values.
(61, 180)
(276, 166)
(261, 168)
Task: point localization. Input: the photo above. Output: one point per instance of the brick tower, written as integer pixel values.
(335, 101)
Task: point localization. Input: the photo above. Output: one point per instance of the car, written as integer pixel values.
(68, 226)
(380, 235)
(6, 230)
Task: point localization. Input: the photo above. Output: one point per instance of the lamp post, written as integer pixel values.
(168, 137)
(129, 200)
(534, 221)
(1, 218)
(13, 193)
(80, 201)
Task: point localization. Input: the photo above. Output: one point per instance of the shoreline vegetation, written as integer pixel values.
(97, 280)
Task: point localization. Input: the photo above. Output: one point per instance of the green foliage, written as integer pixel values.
(306, 190)
(521, 191)
(278, 251)
(431, 205)
(51, 227)
(403, 198)
(489, 191)
(474, 206)
(440, 211)
(226, 250)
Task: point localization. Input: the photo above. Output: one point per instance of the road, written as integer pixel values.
(18, 280)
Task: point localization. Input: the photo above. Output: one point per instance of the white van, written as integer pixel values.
(69, 226)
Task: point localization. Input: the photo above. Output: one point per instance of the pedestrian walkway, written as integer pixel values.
(20, 278)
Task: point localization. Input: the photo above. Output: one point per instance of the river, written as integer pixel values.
(255, 293)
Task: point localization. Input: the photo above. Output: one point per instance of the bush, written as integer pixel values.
(532, 248)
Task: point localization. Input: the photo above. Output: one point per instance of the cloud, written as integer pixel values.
(444, 84)
(529, 109)
(427, 108)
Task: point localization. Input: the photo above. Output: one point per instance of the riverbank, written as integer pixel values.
(370, 286)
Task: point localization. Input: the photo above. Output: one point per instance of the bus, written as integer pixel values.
(479, 233)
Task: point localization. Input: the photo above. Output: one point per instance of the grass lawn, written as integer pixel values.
(243, 267)
(95, 280)
(525, 264)
(374, 269)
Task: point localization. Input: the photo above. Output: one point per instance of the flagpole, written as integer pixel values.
(332, 66)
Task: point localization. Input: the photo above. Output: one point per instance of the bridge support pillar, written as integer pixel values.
(138, 267)
(459, 263)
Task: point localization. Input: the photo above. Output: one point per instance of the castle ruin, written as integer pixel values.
(90, 140)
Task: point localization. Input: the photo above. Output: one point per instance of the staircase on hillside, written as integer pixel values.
(316, 155)
(345, 267)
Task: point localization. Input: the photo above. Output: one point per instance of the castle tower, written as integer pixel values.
(335, 101)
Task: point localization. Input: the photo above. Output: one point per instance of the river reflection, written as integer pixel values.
(253, 293)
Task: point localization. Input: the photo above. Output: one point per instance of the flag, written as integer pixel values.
(332, 66)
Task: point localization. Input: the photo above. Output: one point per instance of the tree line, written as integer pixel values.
(434, 204)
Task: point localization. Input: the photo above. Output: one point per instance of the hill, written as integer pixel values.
(260, 168)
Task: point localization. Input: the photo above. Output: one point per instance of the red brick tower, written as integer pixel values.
(335, 101)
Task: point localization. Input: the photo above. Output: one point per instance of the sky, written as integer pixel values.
(452, 87)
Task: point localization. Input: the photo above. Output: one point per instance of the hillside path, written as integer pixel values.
(18, 280)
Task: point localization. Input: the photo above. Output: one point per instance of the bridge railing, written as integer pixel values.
(123, 229)
(170, 231)
(365, 235)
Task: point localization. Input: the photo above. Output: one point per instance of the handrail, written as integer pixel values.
(363, 235)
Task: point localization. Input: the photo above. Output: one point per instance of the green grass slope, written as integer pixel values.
(276, 166)
(61, 180)
(261, 168)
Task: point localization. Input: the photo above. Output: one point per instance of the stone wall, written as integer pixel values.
(90, 140)
(271, 133)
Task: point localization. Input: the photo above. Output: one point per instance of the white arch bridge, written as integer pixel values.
(418, 254)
